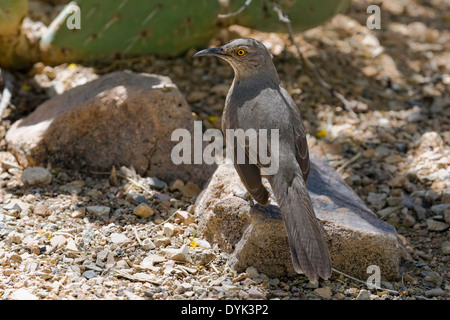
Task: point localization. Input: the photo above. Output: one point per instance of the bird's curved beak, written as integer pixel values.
(218, 52)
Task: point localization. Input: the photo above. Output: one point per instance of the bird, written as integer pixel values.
(256, 100)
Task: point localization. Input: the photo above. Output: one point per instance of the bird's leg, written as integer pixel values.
(246, 196)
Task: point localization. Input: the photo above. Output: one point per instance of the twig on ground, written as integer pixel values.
(7, 91)
(349, 161)
(150, 192)
(235, 13)
(364, 282)
(137, 236)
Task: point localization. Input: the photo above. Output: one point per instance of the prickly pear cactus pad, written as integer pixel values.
(12, 12)
(130, 28)
(304, 14)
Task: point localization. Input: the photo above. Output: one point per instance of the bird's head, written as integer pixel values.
(246, 56)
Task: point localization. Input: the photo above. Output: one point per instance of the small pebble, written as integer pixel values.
(147, 244)
(436, 292)
(156, 183)
(433, 279)
(255, 293)
(168, 229)
(99, 211)
(177, 185)
(35, 176)
(89, 274)
(41, 210)
(118, 238)
(445, 247)
(252, 273)
(363, 295)
(191, 190)
(324, 293)
(143, 211)
(78, 212)
(22, 294)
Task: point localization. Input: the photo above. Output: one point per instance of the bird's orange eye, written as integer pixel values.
(241, 52)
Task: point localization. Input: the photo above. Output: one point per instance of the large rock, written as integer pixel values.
(119, 119)
(257, 236)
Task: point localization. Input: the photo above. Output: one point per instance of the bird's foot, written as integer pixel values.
(246, 196)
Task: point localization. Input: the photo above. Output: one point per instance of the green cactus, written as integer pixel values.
(166, 27)
(12, 13)
(304, 14)
(135, 27)
(12, 42)
(130, 28)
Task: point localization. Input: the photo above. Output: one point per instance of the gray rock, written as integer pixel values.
(363, 295)
(168, 229)
(377, 200)
(156, 183)
(35, 176)
(433, 279)
(256, 236)
(181, 254)
(434, 225)
(121, 118)
(252, 272)
(183, 287)
(447, 216)
(122, 264)
(274, 282)
(201, 256)
(118, 238)
(383, 151)
(147, 244)
(436, 292)
(90, 274)
(445, 247)
(136, 198)
(13, 205)
(99, 211)
(324, 293)
(254, 293)
(439, 209)
(102, 255)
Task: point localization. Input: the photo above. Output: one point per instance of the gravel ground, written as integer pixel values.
(90, 235)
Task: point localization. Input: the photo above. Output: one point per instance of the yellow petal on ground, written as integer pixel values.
(212, 118)
(321, 134)
(193, 243)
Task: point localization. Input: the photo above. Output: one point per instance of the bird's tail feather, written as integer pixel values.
(309, 252)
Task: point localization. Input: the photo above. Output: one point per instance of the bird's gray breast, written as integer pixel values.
(255, 107)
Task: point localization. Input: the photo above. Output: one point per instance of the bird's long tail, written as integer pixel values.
(309, 251)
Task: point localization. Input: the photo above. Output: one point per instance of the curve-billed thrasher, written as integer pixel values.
(257, 101)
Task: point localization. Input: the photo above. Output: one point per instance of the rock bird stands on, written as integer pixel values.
(257, 101)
